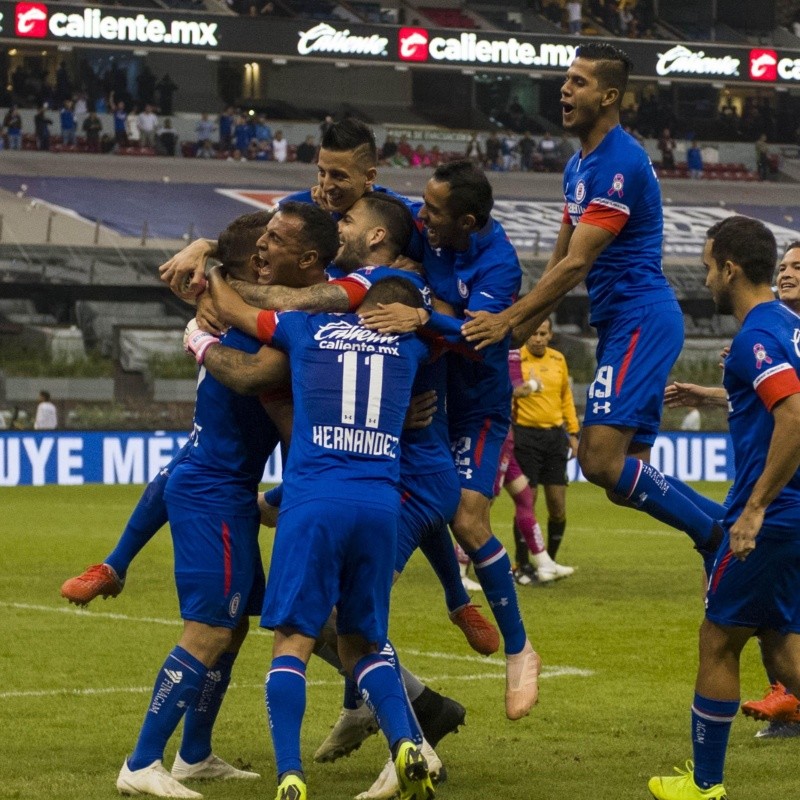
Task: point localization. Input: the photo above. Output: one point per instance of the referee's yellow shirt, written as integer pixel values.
(551, 405)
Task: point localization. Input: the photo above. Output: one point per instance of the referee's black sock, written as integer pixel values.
(555, 533)
(521, 551)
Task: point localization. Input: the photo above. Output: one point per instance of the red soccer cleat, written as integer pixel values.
(778, 705)
(482, 636)
(99, 579)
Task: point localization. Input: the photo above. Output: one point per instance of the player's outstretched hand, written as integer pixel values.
(743, 532)
(683, 395)
(393, 318)
(421, 410)
(483, 328)
(196, 341)
(185, 271)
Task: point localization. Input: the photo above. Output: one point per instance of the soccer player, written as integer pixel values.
(779, 706)
(214, 520)
(545, 429)
(754, 583)
(471, 265)
(336, 538)
(611, 237)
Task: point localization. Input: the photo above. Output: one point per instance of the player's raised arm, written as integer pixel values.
(320, 297)
(682, 395)
(585, 245)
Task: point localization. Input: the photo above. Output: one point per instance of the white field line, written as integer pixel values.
(547, 672)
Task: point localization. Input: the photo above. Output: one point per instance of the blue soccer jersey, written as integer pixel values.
(351, 388)
(484, 277)
(231, 440)
(761, 370)
(615, 188)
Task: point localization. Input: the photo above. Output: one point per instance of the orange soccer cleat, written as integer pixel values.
(778, 705)
(482, 636)
(99, 579)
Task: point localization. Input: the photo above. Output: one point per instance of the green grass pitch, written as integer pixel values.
(618, 641)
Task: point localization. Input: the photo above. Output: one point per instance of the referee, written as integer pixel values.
(545, 425)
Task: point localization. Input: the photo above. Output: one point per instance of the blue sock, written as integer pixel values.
(352, 697)
(384, 694)
(711, 726)
(390, 654)
(177, 685)
(493, 570)
(437, 547)
(147, 518)
(202, 714)
(711, 507)
(285, 691)
(645, 487)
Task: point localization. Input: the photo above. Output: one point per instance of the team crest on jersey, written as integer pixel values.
(233, 606)
(580, 192)
(617, 185)
(462, 289)
(760, 352)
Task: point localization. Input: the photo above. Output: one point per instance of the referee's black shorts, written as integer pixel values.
(542, 454)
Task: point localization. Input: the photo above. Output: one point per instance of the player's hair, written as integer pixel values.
(394, 290)
(319, 231)
(791, 246)
(352, 134)
(237, 242)
(613, 65)
(747, 242)
(470, 190)
(394, 215)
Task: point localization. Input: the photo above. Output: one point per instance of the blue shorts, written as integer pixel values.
(476, 446)
(635, 353)
(762, 591)
(218, 569)
(332, 553)
(427, 503)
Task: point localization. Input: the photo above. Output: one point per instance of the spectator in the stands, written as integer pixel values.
(552, 10)
(405, 149)
(42, 125)
(435, 156)
(259, 151)
(68, 125)
(624, 16)
(92, 128)
(419, 158)
(526, 146)
(574, 17)
(694, 160)
(132, 127)
(166, 88)
(120, 125)
(548, 150)
(492, 149)
(81, 105)
(225, 123)
(565, 151)
(280, 148)
(206, 150)
(236, 155)
(508, 152)
(147, 123)
(307, 151)
(167, 138)
(473, 150)
(762, 157)
(388, 149)
(204, 129)
(242, 133)
(262, 129)
(46, 414)
(12, 122)
(145, 87)
(666, 145)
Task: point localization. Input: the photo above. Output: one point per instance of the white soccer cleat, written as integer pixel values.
(386, 784)
(209, 769)
(522, 681)
(553, 572)
(350, 730)
(154, 780)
